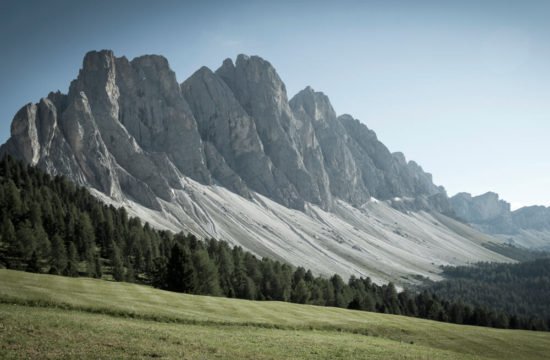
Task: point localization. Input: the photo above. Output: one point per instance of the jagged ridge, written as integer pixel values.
(128, 129)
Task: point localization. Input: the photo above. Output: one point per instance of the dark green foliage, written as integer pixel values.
(206, 274)
(72, 261)
(58, 255)
(176, 270)
(517, 253)
(116, 263)
(48, 224)
(300, 293)
(33, 265)
(515, 292)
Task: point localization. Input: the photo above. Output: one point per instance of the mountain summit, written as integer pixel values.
(226, 154)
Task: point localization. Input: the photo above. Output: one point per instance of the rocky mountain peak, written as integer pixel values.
(97, 60)
(315, 104)
(260, 77)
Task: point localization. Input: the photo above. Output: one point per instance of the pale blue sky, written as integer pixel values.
(461, 87)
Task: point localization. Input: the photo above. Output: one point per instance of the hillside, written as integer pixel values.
(51, 226)
(90, 318)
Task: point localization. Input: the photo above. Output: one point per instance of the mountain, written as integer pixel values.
(226, 154)
(528, 226)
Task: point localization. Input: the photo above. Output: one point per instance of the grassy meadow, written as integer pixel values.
(45, 316)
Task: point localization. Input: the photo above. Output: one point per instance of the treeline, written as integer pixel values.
(521, 290)
(517, 253)
(50, 225)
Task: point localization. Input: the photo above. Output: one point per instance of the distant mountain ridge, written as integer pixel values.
(226, 154)
(528, 226)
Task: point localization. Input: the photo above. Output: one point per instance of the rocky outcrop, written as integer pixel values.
(479, 209)
(532, 217)
(527, 226)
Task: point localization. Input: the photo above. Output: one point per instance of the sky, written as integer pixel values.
(461, 87)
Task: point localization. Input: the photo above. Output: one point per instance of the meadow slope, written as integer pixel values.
(44, 316)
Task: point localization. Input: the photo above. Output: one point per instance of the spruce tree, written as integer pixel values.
(159, 273)
(14, 205)
(116, 263)
(225, 269)
(26, 237)
(130, 275)
(72, 261)
(207, 274)
(9, 238)
(98, 268)
(300, 293)
(58, 254)
(175, 270)
(33, 265)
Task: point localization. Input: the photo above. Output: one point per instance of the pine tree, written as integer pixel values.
(72, 261)
(90, 264)
(13, 201)
(9, 238)
(242, 284)
(116, 263)
(207, 274)
(339, 296)
(159, 273)
(390, 299)
(328, 289)
(84, 234)
(225, 270)
(33, 265)
(300, 293)
(175, 270)
(26, 238)
(42, 241)
(98, 268)
(58, 255)
(130, 275)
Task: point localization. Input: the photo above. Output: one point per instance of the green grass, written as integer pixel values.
(43, 316)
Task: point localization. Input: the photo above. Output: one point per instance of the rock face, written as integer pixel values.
(223, 123)
(358, 165)
(178, 152)
(479, 209)
(528, 226)
(291, 145)
(128, 129)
